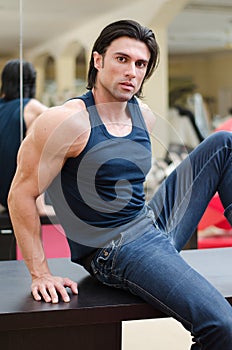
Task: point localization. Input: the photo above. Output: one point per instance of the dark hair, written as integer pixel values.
(116, 30)
(10, 88)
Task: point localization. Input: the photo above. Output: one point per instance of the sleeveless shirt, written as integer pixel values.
(101, 190)
(9, 143)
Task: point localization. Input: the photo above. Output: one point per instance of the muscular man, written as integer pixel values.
(10, 124)
(93, 154)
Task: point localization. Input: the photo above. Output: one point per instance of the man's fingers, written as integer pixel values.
(71, 284)
(51, 288)
(36, 294)
(63, 293)
(40, 293)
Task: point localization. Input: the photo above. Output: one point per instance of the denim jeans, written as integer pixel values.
(148, 263)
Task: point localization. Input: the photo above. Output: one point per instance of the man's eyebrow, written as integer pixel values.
(126, 55)
(121, 53)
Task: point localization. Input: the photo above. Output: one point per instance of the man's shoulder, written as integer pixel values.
(71, 114)
(35, 106)
(75, 104)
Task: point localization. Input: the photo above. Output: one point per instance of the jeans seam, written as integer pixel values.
(117, 248)
(170, 312)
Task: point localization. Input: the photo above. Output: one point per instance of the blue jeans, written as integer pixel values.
(148, 263)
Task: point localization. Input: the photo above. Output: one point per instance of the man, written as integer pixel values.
(11, 131)
(94, 153)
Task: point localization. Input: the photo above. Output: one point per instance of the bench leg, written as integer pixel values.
(7, 245)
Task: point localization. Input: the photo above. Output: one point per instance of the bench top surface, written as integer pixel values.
(95, 303)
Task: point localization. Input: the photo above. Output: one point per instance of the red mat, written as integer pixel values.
(214, 213)
(214, 242)
(55, 243)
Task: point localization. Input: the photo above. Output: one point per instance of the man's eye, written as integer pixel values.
(141, 64)
(121, 59)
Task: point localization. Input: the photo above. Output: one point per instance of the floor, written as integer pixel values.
(160, 334)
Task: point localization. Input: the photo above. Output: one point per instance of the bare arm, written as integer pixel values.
(41, 157)
(148, 115)
(32, 111)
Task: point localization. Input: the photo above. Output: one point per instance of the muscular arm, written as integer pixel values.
(148, 115)
(53, 139)
(32, 111)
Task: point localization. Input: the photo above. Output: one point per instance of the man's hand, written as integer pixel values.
(48, 287)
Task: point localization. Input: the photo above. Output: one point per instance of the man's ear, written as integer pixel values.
(98, 60)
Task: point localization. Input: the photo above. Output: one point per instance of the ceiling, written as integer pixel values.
(202, 25)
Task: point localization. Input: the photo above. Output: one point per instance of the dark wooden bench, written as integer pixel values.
(93, 319)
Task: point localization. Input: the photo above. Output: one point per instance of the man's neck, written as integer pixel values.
(114, 115)
(113, 110)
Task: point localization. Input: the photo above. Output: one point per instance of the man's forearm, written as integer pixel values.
(27, 228)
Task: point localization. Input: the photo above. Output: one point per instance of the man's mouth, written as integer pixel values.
(127, 85)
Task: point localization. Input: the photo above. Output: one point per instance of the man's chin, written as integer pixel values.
(124, 97)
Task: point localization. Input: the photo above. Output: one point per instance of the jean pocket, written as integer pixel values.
(104, 261)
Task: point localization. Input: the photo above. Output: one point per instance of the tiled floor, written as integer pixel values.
(161, 334)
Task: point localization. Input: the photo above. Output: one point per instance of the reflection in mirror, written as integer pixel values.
(52, 33)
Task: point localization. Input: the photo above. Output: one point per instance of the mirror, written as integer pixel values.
(30, 32)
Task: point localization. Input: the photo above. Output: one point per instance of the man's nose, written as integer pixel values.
(131, 70)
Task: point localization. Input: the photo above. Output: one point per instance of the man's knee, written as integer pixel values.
(222, 331)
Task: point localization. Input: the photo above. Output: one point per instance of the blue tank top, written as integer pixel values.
(9, 143)
(102, 189)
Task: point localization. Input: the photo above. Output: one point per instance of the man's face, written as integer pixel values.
(122, 68)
